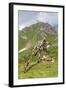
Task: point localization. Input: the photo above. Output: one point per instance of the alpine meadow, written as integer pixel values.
(39, 65)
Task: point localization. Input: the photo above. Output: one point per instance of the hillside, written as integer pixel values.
(32, 36)
(35, 33)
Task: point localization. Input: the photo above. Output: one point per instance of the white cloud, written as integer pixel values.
(21, 27)
(50, 18)
(42, 17)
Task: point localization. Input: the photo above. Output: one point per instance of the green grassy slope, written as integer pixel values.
(31, 37)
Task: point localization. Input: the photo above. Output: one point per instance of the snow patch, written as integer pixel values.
(22, 50)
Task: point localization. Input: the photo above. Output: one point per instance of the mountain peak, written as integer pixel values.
(42, 27)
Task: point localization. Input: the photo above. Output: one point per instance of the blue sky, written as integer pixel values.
(26, 18)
